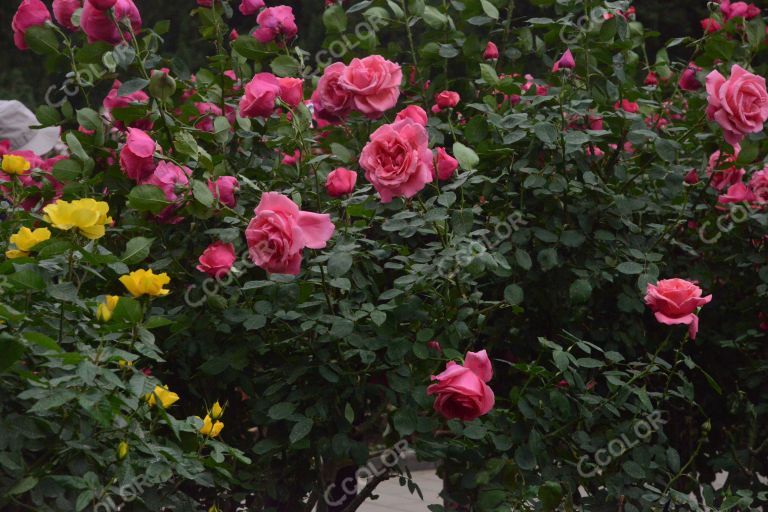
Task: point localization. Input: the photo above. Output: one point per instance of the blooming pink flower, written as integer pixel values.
(565, 62)
(736, 193)
(63, 11)
(98, 26)
(173, 181)
(208, 111)
(223, 190)
(291, 159)
(217, 259)
(627, 106)
(491, 51)
(462, 392)
(739, 104)
(248, 7)
(447, 99)
(137, 156)
(332, 102)
(738, 10)
(30, 13)
(260, 95)
(374, 84)
(710, 25)
(291, 90)
(445, 164)
(414, 113)
(102, 5)
(274, 22)
(688, 80)
(758, 184)
(205, 3)
(397, 160)
(724, 170)
(280, 231)
(676, 301)
(340, 182)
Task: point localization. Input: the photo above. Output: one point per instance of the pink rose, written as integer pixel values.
(565, 62)
(736, 193)
(291, 159)
(724, 170)
(447, 99)
(173, 181)
(208, 111)
(739, 104)
(137, 156)
(280, 231)
(291, 90)
(374, 83)
(691, 177)
(710, 25)
(445, 165)
(332, 103)
(738, 10)
(462, 392)
(491, 51)
(63, 11)
(114, 101)
(31, 13)
(340, 182)
(102, 5)
(627, 106)
(205, 3)
(651, 79)
(397, 160)
(414, 113)
(98, 26)
(248, 7)
(676, 301)
(759, 186)
(223, 190)
(688, 80)
(217, 259)
(274, 22)
(260, 96)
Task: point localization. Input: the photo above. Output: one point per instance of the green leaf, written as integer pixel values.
(147, 198)
(467, 158)
(546, 132)
(490, 9)
(633, 469)
(335, 19)
(284, 65)
(523, 259)
(300, 430)
(524, 458)
(405, 421)
(580, 291)
(131, 86)
(42, 340)
(339, 263)
(550, 494)
(433, 17)
(27, 280)
(10, 351)
(42, 40)
(281, 410)
(127, 309)
(489, 74)
(24, 485)
(89, 119)
(513, 294)
(202, 193)
(630, 267)
(136, 250)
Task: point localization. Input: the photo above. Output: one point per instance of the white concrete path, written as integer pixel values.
(393, 498)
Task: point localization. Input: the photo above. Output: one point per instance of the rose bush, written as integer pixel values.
(449, 228)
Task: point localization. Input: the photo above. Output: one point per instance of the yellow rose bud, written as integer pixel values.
(25, 240)
(106, 308)
(216, 411)
(122, 450)
(145, 282)
(211, 428)
(214, 508)
(125, 364)
(15, 164)
(167, 398)
(88, 216)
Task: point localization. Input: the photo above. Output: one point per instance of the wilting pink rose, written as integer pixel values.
(98, 26)
(447, 99)
(31, 13)
(739, 104)
(223, 190)
(397, 160)
(248, 7)
(710, 25)
(274, 22)
(688, 80)
(260, 95)
(651, 79)
(627, 106)
(491, 51)
(565, 62)
(217, 259)
(374, 83)
(414, 113)
(738, 10)
(332, 102)
(279, 232)
(291, 90)
(102, 5)
(63, 11)
(445, 164)
(736, 193)
(676, 301)
(340, 182)
(137, 156)
(462, 392)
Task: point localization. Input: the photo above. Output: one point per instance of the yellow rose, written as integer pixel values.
(106, 308)
(25, 240)
(15, 164)
(167, 398)
(145, 282)
(210, 428)
(87, 215)
(216, 411)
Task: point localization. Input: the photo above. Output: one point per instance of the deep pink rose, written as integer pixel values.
(462, 392)
(31, 13)
(445, 164)
(724, 170)
(102, 5)
(738, 10)
(627, 106)
(217, 259)
(374, 83)
(137, 156)
(397, 160)
(114, 101)
(248, 7)
(63, 11)
(739, 104)
(331, 102)
(691, 177)
(710, 25)
(279, 232)
(414, 113)
(447, 99)
(340, 182)
(688, 80)
(651, 79)
(291, 159)
(676, 301)
(291, 90)
(99, 27)
(274, 22)
(223, 189)
(736, 193)
(491, 51)
(260, 96)
(565, 62)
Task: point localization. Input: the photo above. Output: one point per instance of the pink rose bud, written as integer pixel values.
(565, 62)
(436, 109)
(676, 301)
(217, 259)
(260, 95)
(340, 182)
(447, 99)
(223, 190)
(461, 390)
(739, 104)
(249, 7)
(233, 35)
(275, 22)
(291, 91)
(491, 52)
(692, 177)
(651, 79)
(31, 13)
(373, 83)
(435, 345)
(688, 80)
(445, 164)
(414, 113)
(137, 155)
(102, 5)
(63, 11)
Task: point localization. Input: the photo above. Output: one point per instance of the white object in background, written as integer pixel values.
(15, 123)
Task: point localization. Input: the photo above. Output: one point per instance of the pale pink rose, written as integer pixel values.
(217, 259)
(30, 13)
(63, 11)
(98, 26)
(461, 390)
(739, 104)
(275, 22)
(759, 186)
(223, 190)
(137, 155)
(676, 301)
(397, 160)
(173, 181)
(291, 90)
(374, 83)
(102, 5)
(414, 113)
(332, 103)
(736, 193)
(565, 62)
(340, 182)
(447, 99)
(249, 7)
(491, 51)
(260, 96)
(445, 164)
(279, 232)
